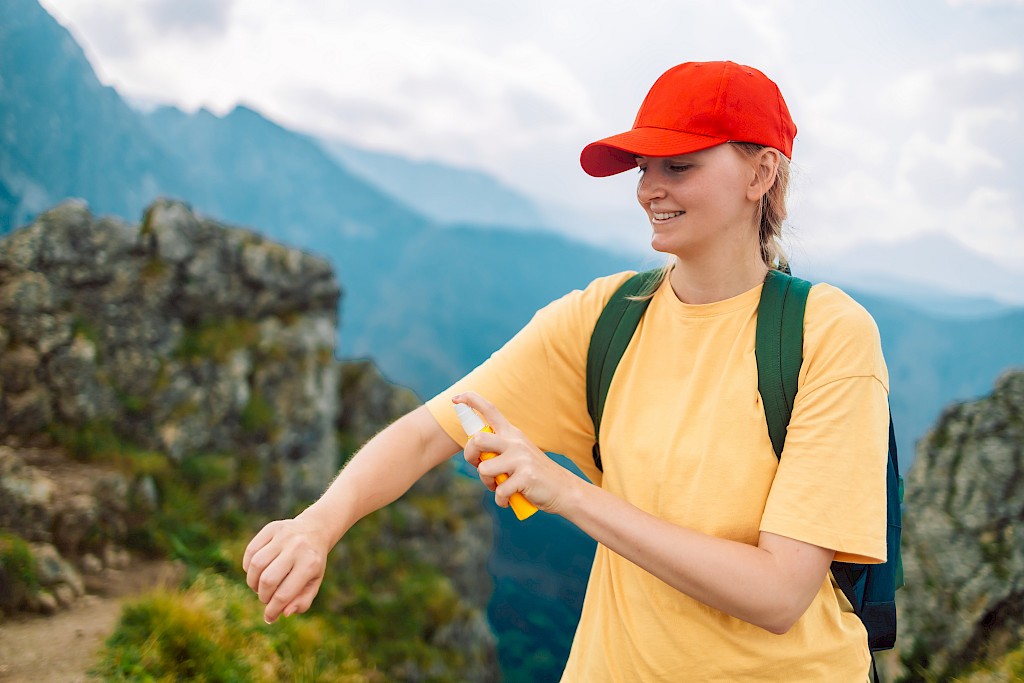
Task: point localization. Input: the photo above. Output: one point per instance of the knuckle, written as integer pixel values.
(267, 583)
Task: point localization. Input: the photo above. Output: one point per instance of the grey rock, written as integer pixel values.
(46, 603)
(963, 540)
(26, 498)
(18, 368)
(73, 521)
(65, 595)
(31, 293)
(90, 564)
(179, 335)
(115, 558)
(53, 570)
(173, 229)
(29, 412)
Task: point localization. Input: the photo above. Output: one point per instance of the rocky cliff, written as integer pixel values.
(165, 386)
(962, 609)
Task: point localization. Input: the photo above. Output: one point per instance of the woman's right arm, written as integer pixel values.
(286, 560)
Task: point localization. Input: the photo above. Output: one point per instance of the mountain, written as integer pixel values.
(413, 285)
(453, 295)
(251, 171)
(934, 273)
(62, 133)
(444, 194)
(935, 360)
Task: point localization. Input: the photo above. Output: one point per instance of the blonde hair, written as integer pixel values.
(771, 210)
(770, 216)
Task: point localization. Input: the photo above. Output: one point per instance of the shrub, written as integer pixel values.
(18, 577)
(214, 632)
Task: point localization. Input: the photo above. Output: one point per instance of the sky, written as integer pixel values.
(909, 113)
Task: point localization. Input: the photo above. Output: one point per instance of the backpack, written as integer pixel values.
(779, 352)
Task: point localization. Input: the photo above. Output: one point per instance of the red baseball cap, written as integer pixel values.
(695, 106)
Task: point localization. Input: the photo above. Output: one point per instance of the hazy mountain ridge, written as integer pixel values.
(252, 171)
(930, 267)
(63, 132)
(443, 193)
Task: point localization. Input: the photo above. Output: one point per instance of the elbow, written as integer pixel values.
(779, 627)
(780, 618)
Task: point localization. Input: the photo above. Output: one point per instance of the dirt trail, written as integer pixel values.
(62, 647)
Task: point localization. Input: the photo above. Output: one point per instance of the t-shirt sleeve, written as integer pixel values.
(538, 379)
(829, 489)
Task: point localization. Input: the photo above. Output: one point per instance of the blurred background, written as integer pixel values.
(429, 152)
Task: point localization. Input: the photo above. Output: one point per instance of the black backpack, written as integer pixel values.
(778, 348)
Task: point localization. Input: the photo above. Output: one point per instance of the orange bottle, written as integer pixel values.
(473, 423)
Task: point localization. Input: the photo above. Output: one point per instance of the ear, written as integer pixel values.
(766, 167)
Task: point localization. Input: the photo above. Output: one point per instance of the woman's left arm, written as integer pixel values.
(769, 585)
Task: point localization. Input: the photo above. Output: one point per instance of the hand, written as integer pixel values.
(530, 471)
(285, 563)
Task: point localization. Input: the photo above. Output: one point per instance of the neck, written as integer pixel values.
(704, 282)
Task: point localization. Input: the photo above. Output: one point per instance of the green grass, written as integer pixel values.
(18, 578)
(376, 617)
(213, 631)
(216, 339)
(381, 613)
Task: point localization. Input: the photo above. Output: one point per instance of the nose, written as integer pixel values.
(650, 186)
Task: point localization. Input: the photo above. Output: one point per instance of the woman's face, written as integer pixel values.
(699, 201)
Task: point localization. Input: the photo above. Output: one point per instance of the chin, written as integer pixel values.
(662, 245)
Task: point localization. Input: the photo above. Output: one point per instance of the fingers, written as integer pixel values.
(256, 562)
(302, 581)
(284, 569)
(257, 543)
(303, 601)
(491, 415)
(483, 442)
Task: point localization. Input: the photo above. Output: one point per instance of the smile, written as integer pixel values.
(666, 216)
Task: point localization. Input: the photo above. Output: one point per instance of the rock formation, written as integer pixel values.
(179, 335)
(963, 539)
(184, 344)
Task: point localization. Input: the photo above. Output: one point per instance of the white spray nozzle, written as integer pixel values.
(471, 422)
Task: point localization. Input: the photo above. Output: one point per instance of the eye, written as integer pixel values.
(679, 168)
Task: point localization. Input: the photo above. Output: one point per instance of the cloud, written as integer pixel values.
(206, 18)
(903, 131)
(985, 3)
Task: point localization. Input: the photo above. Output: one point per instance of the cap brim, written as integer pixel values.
(618, 153)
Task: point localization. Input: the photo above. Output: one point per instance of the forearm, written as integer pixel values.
(769, 585)
(381, 471)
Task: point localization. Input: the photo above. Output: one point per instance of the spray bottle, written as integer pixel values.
(473, 423)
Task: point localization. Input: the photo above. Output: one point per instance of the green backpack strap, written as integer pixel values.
(778, 348)
(612, 332)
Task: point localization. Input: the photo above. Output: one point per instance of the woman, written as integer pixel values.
(713, 556)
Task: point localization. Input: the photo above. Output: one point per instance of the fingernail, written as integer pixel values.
(267, 620)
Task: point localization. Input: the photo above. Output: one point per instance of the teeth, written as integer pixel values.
(666, 216)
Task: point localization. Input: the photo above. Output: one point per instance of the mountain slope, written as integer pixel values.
(934, 361)
(64, 134)
(252, 171)
(442, 193)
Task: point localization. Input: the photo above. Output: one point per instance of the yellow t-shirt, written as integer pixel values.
(684, 438)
